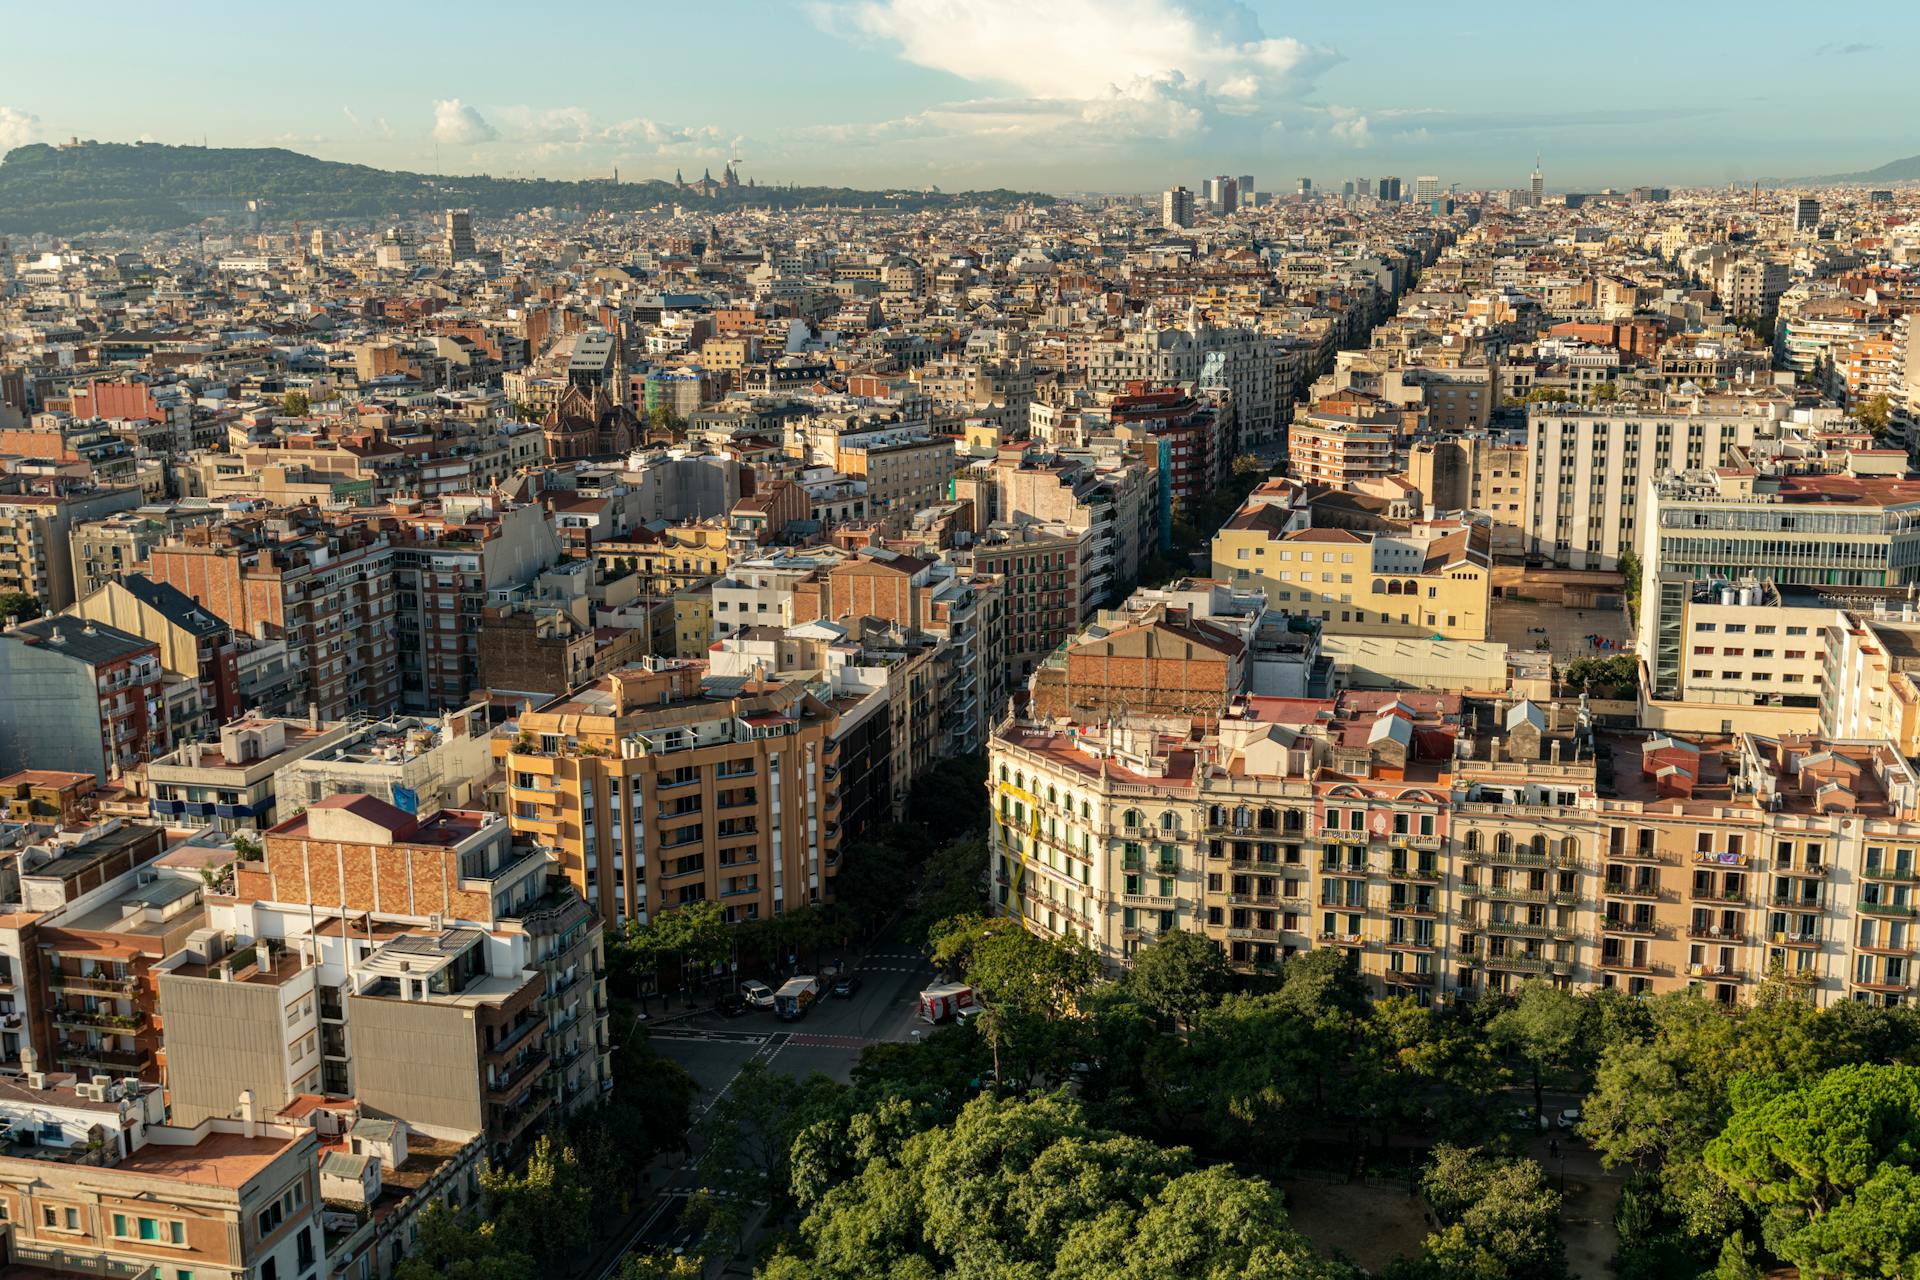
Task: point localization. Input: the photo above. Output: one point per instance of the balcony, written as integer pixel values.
(1782, 939)
(1413, 907)
(1258, 935)
(1519, 858)
(1638, 892)
(1340, 939)
(1430, 875)
(506, 1085)
(1625, 964)
(1715, 973)
(1408, 977)
(1715, 933)
(1529, 964)
(1720, 894)
(92, 983)
(127, 1062)
(1892, 910)
(124, 1024)
(1905, 874)
(1643, 928)
(1504, 893)
(1515, 929)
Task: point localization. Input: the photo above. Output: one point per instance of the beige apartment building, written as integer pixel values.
(655, 789)
(1453, 848)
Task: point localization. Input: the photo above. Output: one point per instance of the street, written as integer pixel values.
(828, 1039)
(715, 1049)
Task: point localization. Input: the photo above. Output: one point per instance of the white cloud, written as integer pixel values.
(1089, 48)
(17, 128)
(457, 124)
(1086, 73)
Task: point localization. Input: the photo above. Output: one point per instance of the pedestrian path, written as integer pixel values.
(801, 1039)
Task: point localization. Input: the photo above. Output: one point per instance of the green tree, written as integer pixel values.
(19, 606)
(1876, 415)
(1630, 571)
(1007, 964)
(295, 404)
(1828, 1166)
(1498, 1218)
(544, 1207)
(694, 935)
(753, 1125)
(1207, 1223)
(659, 1266)
(1546, 1028)
(459, 1246)
(1180, 975)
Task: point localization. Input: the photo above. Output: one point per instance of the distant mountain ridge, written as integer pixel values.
(150, 187)
(1903, 170)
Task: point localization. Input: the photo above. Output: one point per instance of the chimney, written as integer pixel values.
(248, 1125)
(313, 715)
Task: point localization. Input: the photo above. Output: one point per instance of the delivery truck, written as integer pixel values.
(795, 997)
(945, 1000)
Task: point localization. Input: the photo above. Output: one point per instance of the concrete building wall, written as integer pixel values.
(417, 1060)
(222, 1038)
(49, 714)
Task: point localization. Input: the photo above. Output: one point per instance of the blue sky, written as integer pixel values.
(1058, 95)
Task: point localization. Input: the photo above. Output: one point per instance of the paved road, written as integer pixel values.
(829, 1039)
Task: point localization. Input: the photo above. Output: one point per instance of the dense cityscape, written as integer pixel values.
(1286, 727)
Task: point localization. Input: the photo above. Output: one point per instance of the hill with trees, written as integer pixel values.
(98, 186)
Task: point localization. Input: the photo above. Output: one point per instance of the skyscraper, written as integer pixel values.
(1223, 193)
(1176, 207)
(1425, 188)
(1389, 190)
(1246, 190)
(1535, 191)
(1806, 213)
(1306, 187)
(459, 236)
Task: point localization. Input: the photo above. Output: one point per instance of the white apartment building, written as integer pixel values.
(1587, 472)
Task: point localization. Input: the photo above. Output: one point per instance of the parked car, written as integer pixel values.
(757, 993)
(730, 1004)
(1569, 1118)
(1524, 1119)
(846, 985)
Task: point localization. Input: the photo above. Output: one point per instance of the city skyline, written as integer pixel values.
(1074, 96)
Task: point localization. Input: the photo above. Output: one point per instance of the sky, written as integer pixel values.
(1049, 95)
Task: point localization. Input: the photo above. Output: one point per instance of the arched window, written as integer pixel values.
(1502, 842)
(1269, 819)
(1393, 588)
(1539, 846)
(1409, 588)
(1053, 795)
(1019, 779)
(1168, 822)
(1130, 819)
(1473, 840)
(1378, 586)
(1569, 848)
(1003, 773)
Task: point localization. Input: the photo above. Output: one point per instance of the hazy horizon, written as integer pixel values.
(1115, 96)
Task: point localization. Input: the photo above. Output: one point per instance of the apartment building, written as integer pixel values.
(450, 561)
(901, 475)
(1588, 469)
(1793, 528)
(1432, 578)
(231, 784)
(93, 1183)
(325, 587)
(195, 647)
(657, 787)
(36, 517)
(428, 967)
(80, 697)
(1342, 451)
(1052, 584)
(418, 764)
